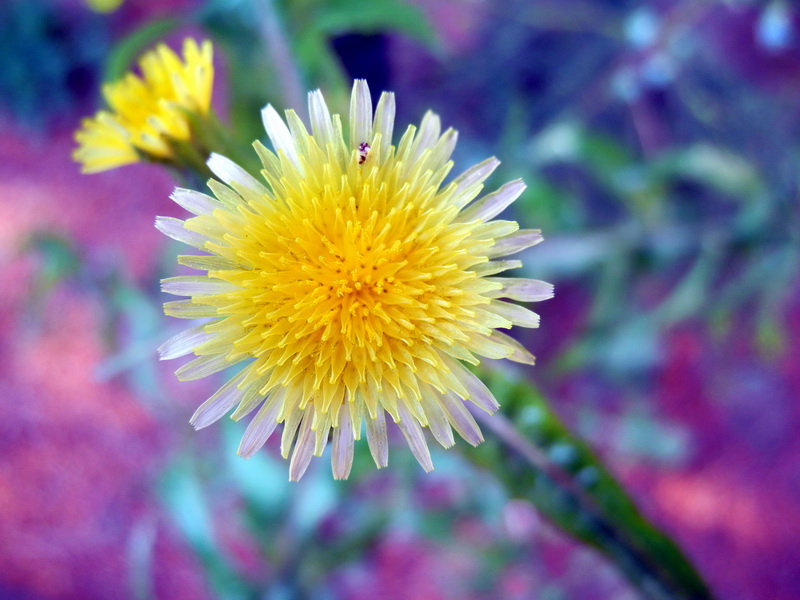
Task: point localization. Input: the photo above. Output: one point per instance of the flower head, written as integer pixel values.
(149, 114)
(351, 283)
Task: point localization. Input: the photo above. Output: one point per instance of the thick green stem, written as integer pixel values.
(540, 460)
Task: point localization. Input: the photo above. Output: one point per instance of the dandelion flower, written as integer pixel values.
(150, 116)
(352, 283)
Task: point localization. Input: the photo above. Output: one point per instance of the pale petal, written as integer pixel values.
(343, 442)
(516, 242)
(441, 152)
(360, 114)
(479, 394)
(377, 439)
(519, 353)
(230, 199)
(520, 288)
(437, 420)
(322, 427)
(297, 128)
(186, 309)
(224, 399)
(252, 395)
(184, 342)
(495, 266)
(384, 121)
(414, 436)
(195, 202)
(290, 425)
(174, 228)
(195, 286)
(203, 366)
(279, 135)
(304, 448)
(405, 143)
(460, 419)
(202, 262)
(492, 204)
(262, 425)
(427, 136)
(321, 124)
(232, 174)
(468, 183)
(338, 137)
(485, 346)
(518, 315)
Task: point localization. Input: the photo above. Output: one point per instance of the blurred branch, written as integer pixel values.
(277, 45)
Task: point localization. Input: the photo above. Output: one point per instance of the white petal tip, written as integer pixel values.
(476, 442)
(269, 110)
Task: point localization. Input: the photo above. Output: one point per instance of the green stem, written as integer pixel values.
(595, 510)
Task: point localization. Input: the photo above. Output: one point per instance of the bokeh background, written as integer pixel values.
(659, 141)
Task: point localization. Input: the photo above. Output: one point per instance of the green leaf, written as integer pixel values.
(183, 495)
(715, 167)
(375, 16)
(128, 50)
(58, 259)
(135, 356)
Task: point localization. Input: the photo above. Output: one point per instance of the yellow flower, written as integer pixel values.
(149, 114)
(353, 284)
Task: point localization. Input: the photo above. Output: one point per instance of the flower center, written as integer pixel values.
(352, 274)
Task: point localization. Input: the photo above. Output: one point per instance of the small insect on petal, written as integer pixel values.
(363, 152)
